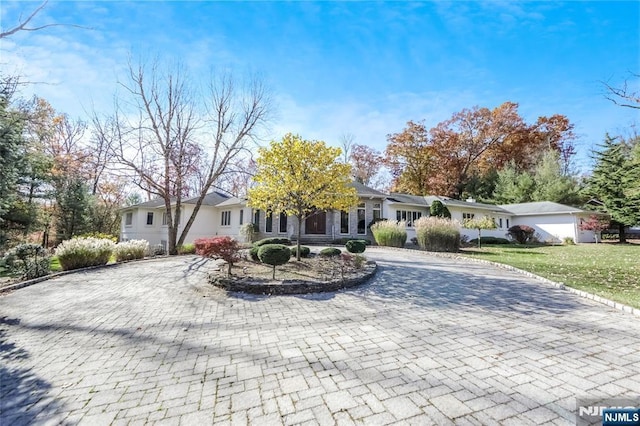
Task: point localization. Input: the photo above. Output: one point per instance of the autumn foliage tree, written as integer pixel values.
(471, 145)
(298, 177)
(366, 162)
(225, 248)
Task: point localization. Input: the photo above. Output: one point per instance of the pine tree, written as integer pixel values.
(615, 181)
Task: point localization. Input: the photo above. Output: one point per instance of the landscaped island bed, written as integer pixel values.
(611, 271)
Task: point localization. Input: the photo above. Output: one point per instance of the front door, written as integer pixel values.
(316, 223)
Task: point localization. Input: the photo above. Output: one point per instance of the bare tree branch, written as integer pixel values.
(623, 96)
(22, 24)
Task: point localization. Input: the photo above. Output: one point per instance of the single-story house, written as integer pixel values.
(223, 215)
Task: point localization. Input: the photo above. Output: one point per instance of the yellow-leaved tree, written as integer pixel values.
(297, 177)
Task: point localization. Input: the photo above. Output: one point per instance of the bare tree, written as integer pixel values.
(623, 96)
(346, 142)
(172, 139)
(22, 24)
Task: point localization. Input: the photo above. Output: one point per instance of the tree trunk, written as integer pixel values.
(300, 218)
(479, 238)
(274, 272)
(623, 237)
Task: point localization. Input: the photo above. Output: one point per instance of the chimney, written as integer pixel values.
(471, 200)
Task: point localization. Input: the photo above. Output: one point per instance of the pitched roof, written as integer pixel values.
(233, 201)
(365, 191)
(418, 200)
(541, 208)
(450, 202)
(211, 199)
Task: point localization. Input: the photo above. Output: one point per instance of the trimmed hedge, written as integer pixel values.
(490, 240)
(274, 240)
(343, 241)
(253, 253)
(304, 251)
(356, 246)
(330, 252)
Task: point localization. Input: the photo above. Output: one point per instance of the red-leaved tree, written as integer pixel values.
(595, 223)
(225, 248)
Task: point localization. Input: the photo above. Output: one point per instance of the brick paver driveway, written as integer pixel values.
(427, 341)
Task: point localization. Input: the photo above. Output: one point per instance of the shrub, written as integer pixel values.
(225, 248)
(249, 231)
(489, 240)
(359, 261)
(437, 234)
(274, 254)
(439, 210)
(187, 249)
(390, 233)
(27, 261)
(129, 250)
(568, 241)
(522, 234)
(345, 240)
(356, 246)
(274, 240)
(157, 250)
(253, 253)
(304, 251)
(330, 252)
(84, 252)
(376, 220)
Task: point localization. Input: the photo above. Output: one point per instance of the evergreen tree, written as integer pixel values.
(72, 204)
(615, 181)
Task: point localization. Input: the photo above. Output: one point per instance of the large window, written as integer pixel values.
(344, 222)
(256, 217)
(128, 219)
(226, 218)
(377, 211)
(268, 226)
(241, 216)
(362, 223)
(408, 216)
(283, 223)
(149, 218)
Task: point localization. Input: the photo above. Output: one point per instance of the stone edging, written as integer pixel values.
(594, 297)
(294, 286)
(27, 283)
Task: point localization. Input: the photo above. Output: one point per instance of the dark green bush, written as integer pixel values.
(253, 253)
(28, 261)
(274, 255)
(490, 240)
(304, 251)
(343, 241)
(440, 210)
(330, 252)
(356, 246)
(274, 240)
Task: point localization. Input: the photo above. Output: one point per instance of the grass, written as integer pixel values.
(608, 270)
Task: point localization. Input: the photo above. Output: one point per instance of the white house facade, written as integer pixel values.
(221, 215)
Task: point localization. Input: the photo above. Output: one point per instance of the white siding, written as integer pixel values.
(551, 228)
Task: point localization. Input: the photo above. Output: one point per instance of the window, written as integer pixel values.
(362, 223)
(256, 217)
(226, 218)
(283, 223)
(128, 219)
(164, 218)
(268, 226)
(466, 216)
(408, 216)
(344, 222)
(377, 211)
(507, 223)
(500, 223)
(149, 218)
(241, 216)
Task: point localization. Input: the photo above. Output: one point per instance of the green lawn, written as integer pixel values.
(608, 270)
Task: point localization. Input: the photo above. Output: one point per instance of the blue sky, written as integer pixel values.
(364, 68)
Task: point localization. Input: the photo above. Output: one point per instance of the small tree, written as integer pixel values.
(481, 223)
(595, 223)
(225, 248)
(521, 233)
(299, 177)
(440, 210)
(274, 254)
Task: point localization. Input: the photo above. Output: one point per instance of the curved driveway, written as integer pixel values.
(428, 341)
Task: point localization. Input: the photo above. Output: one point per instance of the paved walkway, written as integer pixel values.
(428, 341)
